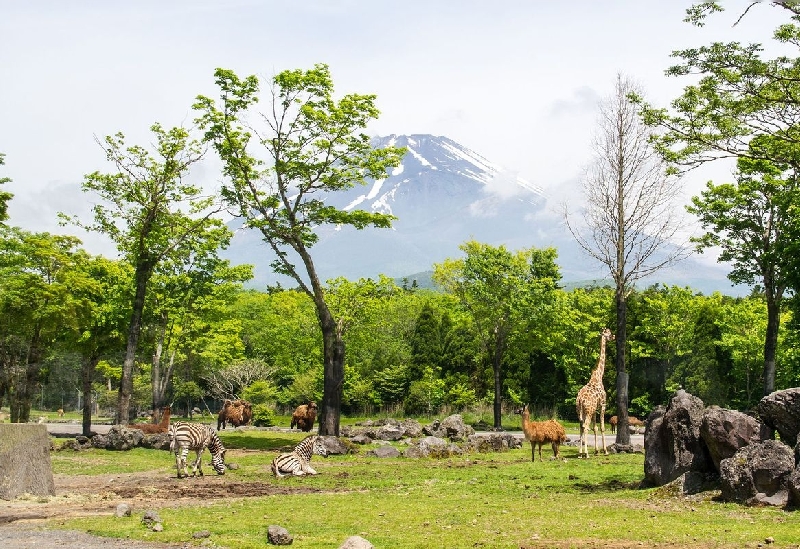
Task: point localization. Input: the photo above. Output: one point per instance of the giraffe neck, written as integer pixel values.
(597, 373)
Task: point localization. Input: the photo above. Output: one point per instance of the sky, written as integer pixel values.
(517, 81)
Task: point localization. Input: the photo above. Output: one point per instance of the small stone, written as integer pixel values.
(769, 540)
(123, 510)
(278, 535)
(356, 542)
(150, 517)
(157, 527)
(201, 534)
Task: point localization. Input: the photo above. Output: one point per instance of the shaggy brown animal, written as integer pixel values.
(540, 432)
(236, 412)
(153, 428)
(304, 416)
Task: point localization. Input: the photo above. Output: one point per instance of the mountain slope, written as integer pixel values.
(442, 194)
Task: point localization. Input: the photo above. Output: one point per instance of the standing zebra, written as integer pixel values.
(185, 436)
(296, 462)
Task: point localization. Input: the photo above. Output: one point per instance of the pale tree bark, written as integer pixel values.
(631, 221)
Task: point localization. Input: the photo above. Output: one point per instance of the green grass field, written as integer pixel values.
(475, 500)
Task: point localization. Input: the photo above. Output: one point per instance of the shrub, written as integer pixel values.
(263, 415)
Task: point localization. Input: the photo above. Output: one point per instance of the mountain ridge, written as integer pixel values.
(444, 194)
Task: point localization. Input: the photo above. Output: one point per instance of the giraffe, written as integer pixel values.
(592, 399)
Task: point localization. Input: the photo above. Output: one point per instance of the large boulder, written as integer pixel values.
(758, 474)
(726, 431)
(118, 438)
(672, 442)
(781, 411)
(432, 447)
(25, 461)
(156, 441)
(794, 488)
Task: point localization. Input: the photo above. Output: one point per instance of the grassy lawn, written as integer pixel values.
(475, 500)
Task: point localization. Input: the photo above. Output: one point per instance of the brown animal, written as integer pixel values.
(540, 432)
(236, 412)
(633, 421)
(152, 428)
(60, 412)
(304, 416)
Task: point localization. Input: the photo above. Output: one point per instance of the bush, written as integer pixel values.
(263, 415)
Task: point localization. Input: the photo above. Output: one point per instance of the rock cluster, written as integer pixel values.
(688, 443)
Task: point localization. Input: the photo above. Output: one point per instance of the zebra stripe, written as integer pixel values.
(195, 436)
(296, 462)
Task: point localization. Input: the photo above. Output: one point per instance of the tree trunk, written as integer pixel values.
(333, 373)
(134, 328)
(89, 364)
(621, 337)
(771, 339)
(497, 361)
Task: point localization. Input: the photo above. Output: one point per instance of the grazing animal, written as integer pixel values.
(304, 416)
(592, 400)
(633, 421)
(297, 461)
(60, 412)
(541, 432)
(236, 412)
(154, 428)
(195, 436)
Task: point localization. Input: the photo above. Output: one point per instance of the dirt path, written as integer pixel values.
(27, 522)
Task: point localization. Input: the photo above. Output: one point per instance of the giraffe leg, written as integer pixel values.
(603, 428)
(594, 430)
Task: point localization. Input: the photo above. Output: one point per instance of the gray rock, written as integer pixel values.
(672, 441)
(384, 452)
(278, 535)
(793, 484)
(451, 427)
(726, 431)
(123, 510)
(202, 534)
(150, 517)
(411, 428)
(493, 442)
(781, 411)
(118, 438)
(758, 474)
(356, 542)
(334, 446)
(389, 432)
(156, 441)
(361, 439)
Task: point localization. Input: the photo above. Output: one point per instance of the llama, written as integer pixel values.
(540, 432)
(152, 428)
(304, 416)
(60, 412)
(236, 412)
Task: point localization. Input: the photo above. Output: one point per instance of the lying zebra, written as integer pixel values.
(185, 436)
(296, 462)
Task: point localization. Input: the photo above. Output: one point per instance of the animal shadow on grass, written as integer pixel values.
(610, 485)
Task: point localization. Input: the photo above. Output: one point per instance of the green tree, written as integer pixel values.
(747, 221)
(142, 211)
(42, 296)
(4, 195)
(499, 289)
(743, 106)
(314, 145)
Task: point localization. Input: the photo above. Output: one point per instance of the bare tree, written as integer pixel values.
(630, 219)
(231, 381)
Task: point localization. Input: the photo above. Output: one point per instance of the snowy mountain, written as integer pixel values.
(443, 194)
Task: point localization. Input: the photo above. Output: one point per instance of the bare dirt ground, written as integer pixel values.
(27, 522)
